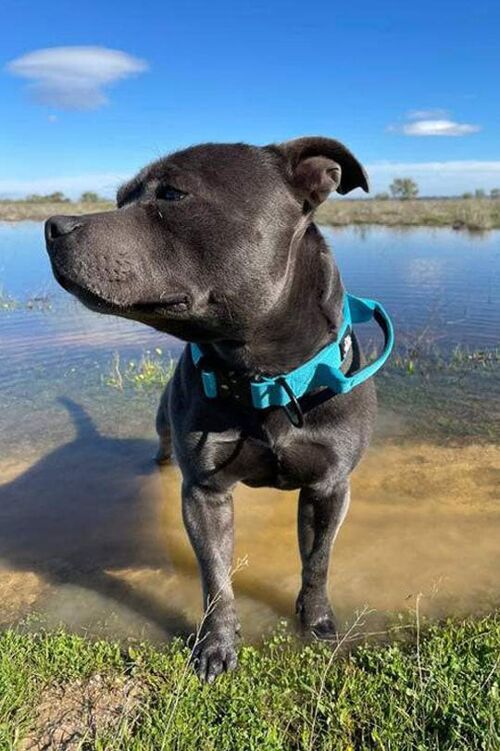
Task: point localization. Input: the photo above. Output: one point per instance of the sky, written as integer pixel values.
(91, 92)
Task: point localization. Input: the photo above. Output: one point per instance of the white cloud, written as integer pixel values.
(74, 78)
(105, 184)
(438, 128)
(437, 178)
(430, 114)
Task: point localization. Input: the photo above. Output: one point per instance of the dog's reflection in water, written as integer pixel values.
(100, 526)
(84, 512)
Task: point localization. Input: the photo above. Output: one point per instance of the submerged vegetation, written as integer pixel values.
(152, 370)
(434, 392)
(431, 687)
(34, 302)
(440, 394)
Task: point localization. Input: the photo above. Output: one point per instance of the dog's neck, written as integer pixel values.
(306, 318)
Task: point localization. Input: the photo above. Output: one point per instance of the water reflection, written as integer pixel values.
(91, 532)
(80, 512)
(91, 535)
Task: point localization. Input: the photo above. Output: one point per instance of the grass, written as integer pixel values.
(452, 396)
(152, 370)
(436, 687)
(471, 213)
(460, 213)
(19, 211)
(9, 303)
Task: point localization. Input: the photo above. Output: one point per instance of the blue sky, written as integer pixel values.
(385, 77)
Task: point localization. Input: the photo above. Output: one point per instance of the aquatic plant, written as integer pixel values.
(36, 302)
(7, 302)
(152, 370)
(433, 390)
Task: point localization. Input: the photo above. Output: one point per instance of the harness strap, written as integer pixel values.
(322, 370)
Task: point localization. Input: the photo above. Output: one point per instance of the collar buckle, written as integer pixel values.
(225, 384)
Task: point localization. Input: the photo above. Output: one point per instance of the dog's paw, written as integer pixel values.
(316, 617)
(324, 628)
(216, 654)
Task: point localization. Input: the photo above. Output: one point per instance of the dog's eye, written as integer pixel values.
(168, 193)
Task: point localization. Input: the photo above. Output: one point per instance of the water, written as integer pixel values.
(90, 529)
(440, 280)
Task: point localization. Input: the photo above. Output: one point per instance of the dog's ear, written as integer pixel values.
(317, 166)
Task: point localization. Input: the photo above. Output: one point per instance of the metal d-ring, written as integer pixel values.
(296, 416)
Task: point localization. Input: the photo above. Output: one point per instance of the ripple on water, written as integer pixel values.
(91, 533)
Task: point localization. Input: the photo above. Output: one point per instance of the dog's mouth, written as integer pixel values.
(173, 303)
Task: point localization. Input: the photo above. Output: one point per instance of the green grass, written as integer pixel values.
(471, 213)
(19, 211)
(151, 371)
(445, 397)
(461, 213)
(436, 688)
(7, 302)
(39, 302)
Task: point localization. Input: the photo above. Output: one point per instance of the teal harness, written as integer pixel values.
(321, 371)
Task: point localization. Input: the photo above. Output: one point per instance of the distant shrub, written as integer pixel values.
(381, 196)
(480, 193)
(90, 197)
(56, 197)
(404, 188)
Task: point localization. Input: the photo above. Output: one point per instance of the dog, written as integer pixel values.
(216, 244)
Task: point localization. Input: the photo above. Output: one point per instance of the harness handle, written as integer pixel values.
(362, 310)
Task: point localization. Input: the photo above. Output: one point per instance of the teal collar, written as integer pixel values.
(321, 371)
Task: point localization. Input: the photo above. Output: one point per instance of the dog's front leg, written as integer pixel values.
(321, 513)
(208, 516)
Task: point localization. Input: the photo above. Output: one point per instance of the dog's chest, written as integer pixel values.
(286, 466)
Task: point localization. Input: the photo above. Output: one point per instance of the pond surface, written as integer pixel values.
(90, 529)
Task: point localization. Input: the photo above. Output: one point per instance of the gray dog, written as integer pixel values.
(216, 245)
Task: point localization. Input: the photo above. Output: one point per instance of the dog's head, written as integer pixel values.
(200, 242)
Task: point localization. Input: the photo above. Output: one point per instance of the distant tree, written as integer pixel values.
(57, 197)
(90, 197)
(403, 188)
(467, 195)
(381, 196)
(480, 193)
(495, 193)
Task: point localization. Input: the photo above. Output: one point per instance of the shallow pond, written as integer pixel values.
(90, 529)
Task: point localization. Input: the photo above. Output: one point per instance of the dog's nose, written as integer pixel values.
(58, 226)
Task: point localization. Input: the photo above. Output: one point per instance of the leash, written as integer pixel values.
(321, 371)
